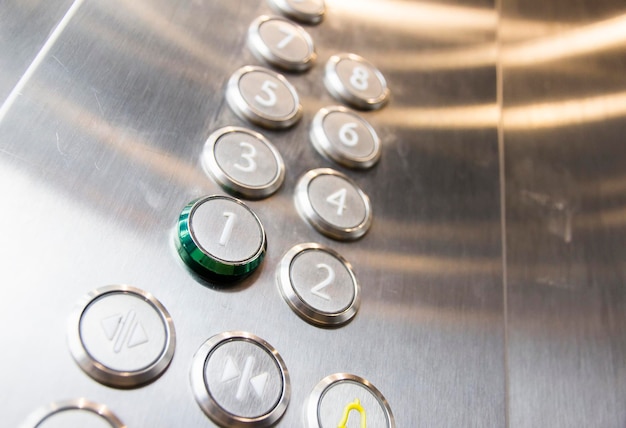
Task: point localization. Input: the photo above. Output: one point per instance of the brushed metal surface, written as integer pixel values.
(564, 113)
(101, 151)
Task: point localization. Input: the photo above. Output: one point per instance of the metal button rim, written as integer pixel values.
(227, 182)
(206, 402)
(245, 111)
(311, 408)
(326, 148)
(283, 7)
(100, 372)
(44, 412)
(336, 87)
(301, 308)
(199, 260)
(263, 52)
(307, 212)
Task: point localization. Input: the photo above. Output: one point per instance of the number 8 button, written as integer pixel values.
(263, 97)
(333, 204)
(354, 80)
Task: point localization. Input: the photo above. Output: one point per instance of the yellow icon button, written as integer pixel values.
(355, 405)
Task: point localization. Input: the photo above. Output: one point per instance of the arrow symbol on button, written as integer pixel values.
(258, 382)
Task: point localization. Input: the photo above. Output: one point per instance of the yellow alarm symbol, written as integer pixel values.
(356, 405)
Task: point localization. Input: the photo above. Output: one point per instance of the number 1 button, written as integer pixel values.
(333, 204)
(263, 97)
(220, 238)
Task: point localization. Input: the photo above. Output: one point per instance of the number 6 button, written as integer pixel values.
(343, 136)
(333, 204)
(219, 237)
(263, 97)
(243, 162)
(319, 285)
(354, 80)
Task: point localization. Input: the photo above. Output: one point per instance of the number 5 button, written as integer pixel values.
(343, 136)
(243, 162)
(263, 97)
(319, 285)
(354, 80)
(219, 237)
(333, 204)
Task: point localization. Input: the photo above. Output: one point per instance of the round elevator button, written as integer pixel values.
(345, 137)
(343, 397)
(319, 285)
(243, 162)
(238, 379)
(305, 11)
(333, 204)
(121, 336)
(353, 79)
(221, 238)
(281, 43)
(73, 413)
(263, 97)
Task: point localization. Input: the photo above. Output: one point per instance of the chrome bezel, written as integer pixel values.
(283, 7)
(308, 213)
(245, 111)
(42, 413)
(304, 310)
(263, 52)
(208, 404)
(326, 148)
(100, 372)
(228, 183)
(311, 407)
(339, 90)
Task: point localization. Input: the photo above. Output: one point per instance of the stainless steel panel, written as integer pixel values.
(101, 151)
(564, 121)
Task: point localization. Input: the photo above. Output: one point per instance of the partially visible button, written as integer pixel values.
(73, 413)
(263, 97)
(333, 204)
(239, 379)
(220, 237)
(354, 80)
(345, 137)
(121, 336)
(319, 285)
(281, 43)
(305, 11)
(342, 397)
(243, 162)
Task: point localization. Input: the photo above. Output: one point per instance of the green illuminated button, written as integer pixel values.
(220, 237)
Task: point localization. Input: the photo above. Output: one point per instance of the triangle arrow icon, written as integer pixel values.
(258, 383)
(230, 371)
(110, 325)
(137, 337)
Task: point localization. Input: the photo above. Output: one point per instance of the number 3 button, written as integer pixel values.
(333, 204)
(243, 162)
(219, 237)
(263, 97)
(319, 285)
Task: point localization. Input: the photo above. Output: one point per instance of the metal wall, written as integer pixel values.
(492, 278)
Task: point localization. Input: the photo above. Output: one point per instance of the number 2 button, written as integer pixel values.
(263, 97)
